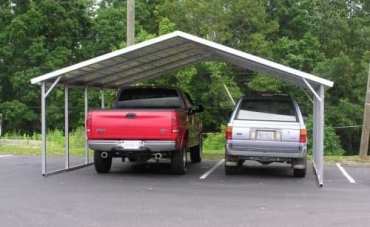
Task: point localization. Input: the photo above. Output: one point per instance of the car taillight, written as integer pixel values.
(303, 136)
(229, 133)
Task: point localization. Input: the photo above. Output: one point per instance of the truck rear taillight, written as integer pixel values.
(229, 133)
(88, 125)
(303, 136)
(174, 123)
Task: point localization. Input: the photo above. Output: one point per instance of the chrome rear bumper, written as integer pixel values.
(266, 149)
(148, 145)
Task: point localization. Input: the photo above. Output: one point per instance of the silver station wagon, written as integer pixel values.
(266, 128)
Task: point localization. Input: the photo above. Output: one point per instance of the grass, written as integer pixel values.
(213, 147)
(347, 160)
(55, 143)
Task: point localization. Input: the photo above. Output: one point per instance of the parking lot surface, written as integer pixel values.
(146, 195)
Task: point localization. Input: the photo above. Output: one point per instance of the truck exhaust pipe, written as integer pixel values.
(157, 156)
(104, 155)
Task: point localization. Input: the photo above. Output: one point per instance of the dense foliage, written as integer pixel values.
(330, 38)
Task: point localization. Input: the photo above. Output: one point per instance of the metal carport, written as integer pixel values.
(164, 54)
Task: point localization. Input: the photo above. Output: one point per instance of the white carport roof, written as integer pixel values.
(164, 54)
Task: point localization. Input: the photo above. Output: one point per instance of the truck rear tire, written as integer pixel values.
(179, 160)
(102, 165)
(196, 152)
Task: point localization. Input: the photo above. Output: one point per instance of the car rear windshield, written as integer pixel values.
(149, 98)
(267, 110)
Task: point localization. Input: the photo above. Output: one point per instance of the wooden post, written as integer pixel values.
(130, 22)
(364, 146)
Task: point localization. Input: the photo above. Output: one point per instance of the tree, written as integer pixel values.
(327, 38)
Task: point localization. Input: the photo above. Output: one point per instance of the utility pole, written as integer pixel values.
(364, 146)
(130, 22)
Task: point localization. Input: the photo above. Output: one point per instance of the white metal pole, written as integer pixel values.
(321, 135)
(318, 135)
(229, 94)
(314, 130)
(66, 128)
(86, 110)
(43, 129)
(102, 99)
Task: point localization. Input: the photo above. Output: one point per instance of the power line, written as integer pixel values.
(347, 126)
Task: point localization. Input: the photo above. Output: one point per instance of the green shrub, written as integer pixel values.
(214, 141)
(332, 144)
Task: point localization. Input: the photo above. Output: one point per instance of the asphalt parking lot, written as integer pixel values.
(146, 195)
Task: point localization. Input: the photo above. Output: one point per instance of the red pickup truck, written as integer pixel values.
(146, 123)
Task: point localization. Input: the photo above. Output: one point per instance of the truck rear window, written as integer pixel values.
(149, 98)
(267, 110)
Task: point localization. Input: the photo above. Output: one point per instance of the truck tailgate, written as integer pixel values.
(131, 124)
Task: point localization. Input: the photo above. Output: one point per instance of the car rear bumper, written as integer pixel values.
(148, 145)
(266, 149)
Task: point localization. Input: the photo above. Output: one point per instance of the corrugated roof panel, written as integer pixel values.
(162, 55)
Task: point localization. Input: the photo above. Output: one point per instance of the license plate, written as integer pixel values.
(265, 135)
(131, 144)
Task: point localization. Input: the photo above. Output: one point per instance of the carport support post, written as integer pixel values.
(86, 145)
(102, 99)
(318, 135)
(66, 128)
(43, 129)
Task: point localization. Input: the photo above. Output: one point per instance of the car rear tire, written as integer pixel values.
(179, 161)
(299, 172)
(102, 165)
(231, 170)
(196, 152)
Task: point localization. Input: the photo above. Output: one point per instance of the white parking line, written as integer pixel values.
(6, 156)
(346, 174)
(206, 174)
